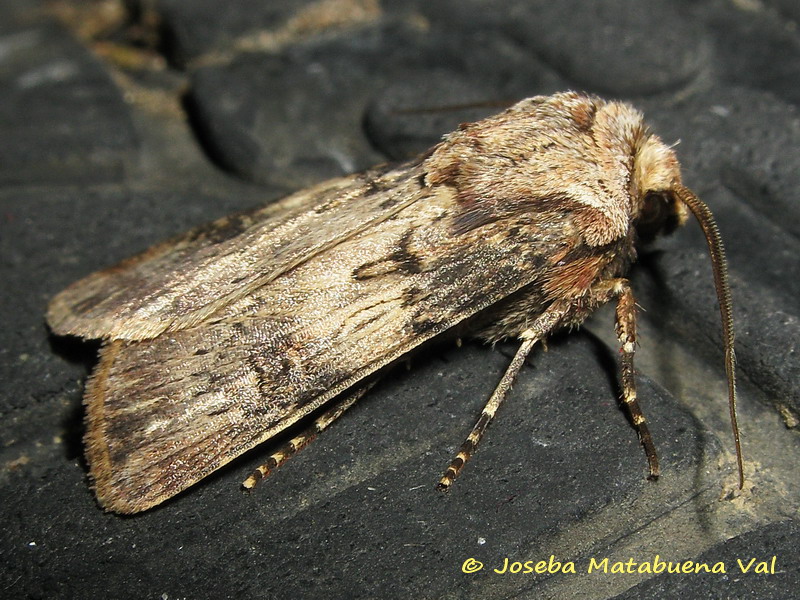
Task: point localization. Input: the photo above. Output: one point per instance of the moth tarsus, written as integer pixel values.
(302, 440)
(512, 227)
(497, 397)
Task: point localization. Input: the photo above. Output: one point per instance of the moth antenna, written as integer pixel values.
(720, 267)
(454, 107)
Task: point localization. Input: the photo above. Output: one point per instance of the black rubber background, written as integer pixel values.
(108, 146)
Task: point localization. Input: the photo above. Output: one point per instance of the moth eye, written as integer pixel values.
(654, 204)
(659, 215)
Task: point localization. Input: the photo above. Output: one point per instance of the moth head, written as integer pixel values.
(657, 175)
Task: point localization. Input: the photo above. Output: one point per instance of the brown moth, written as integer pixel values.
(511, 227)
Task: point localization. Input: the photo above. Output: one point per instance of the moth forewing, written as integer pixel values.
(512, 227)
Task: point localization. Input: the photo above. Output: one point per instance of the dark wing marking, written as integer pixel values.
(181, 282)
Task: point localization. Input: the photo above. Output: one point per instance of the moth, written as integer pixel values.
(514, 226)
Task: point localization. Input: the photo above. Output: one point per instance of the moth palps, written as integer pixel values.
(511, 227)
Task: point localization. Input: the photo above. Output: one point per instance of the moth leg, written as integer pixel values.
(544, 324)
(626, 334)
(297, 443)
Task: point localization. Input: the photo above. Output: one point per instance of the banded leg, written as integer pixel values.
(543, 325)
(626, 334)
(302, 440)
